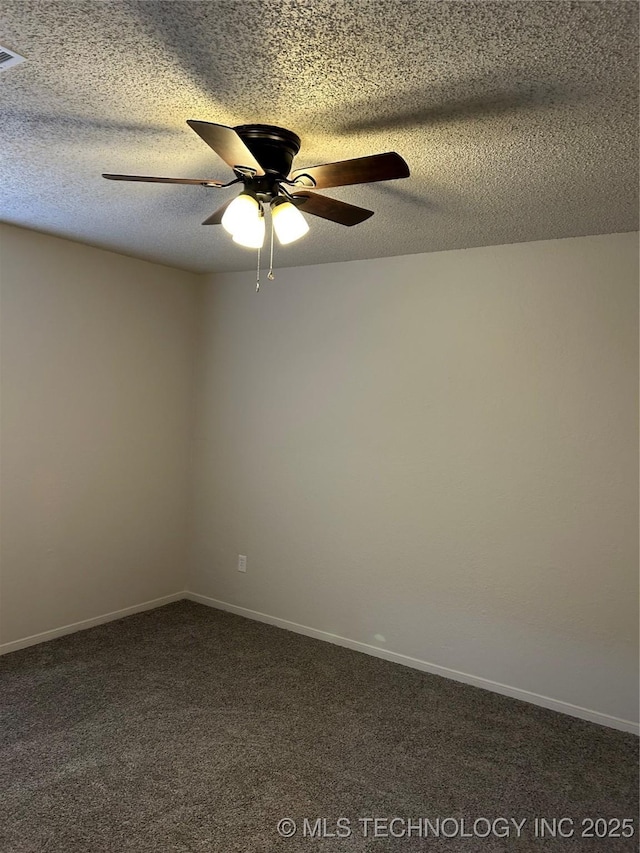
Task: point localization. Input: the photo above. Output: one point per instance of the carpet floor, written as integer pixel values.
(189, 729)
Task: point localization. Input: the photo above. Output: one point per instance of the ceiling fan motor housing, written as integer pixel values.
(273, 147)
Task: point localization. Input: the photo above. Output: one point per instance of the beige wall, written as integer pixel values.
(436, 455)
(96, 383)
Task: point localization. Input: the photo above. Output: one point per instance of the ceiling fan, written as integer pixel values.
(261, 157)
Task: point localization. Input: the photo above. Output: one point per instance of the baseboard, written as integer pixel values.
(356, 645)
(424, 666)
(13, 646)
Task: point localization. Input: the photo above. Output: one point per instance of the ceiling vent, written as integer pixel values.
(8, 58)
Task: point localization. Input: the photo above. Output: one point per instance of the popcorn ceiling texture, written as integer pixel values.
(518, 120)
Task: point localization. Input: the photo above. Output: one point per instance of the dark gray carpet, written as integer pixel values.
(188, 729)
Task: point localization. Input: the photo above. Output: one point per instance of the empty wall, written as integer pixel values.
(435, 455)
(96, 383)
(432, 456)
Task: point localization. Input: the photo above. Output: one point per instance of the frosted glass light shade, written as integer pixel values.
(250, 233)
(243, 209)
(288, 223)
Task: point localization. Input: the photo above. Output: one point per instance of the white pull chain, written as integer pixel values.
(270, 274)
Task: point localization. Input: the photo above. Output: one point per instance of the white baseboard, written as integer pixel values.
(356, 645)
(424, 666)
(13, 646)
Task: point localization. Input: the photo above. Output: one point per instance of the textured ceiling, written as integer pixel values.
(518, 119)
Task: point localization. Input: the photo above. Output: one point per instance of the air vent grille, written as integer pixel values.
(8, 58)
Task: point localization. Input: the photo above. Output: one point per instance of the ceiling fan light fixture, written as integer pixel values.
(288, 223)
(243, 212)
(250, 233)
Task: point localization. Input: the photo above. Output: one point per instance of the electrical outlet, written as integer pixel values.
(242, 563)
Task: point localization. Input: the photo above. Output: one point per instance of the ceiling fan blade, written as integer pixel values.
(360, 170)
(227, 144)
(216, 218)
(331, 208)
(201, 181)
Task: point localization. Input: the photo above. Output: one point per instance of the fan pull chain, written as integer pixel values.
(258, 273)
(270, 274)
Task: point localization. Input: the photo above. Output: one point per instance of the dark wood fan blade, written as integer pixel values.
(360, 170)
(227, 144)
(331, 208)
(201, 181)
(216, 218)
